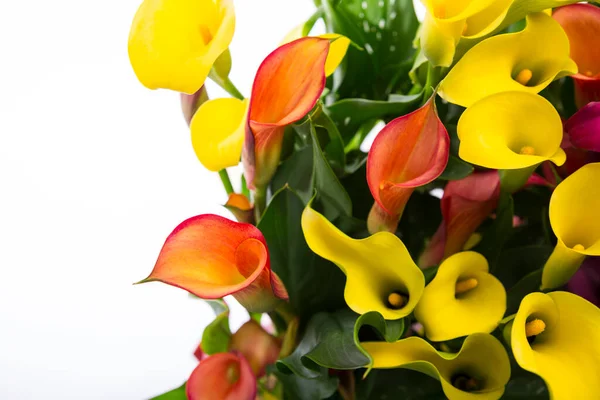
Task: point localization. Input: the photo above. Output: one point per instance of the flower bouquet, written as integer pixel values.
(455, 257)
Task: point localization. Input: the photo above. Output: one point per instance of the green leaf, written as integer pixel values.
(296, 173)
(498, 232)
(514, 264)
(216, 336)
(529, 284)
(175, 394)
(313, 283)
(524, 385)
(334, 149)
(350, 114)
(399, 384)
(330, 192)
(385, 30)
(456, 169)
(298, 388)
(421, 218)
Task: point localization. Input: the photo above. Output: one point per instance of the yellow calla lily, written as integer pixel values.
(479, 371)
(462, 299)
(380, 274)
(218, 129)
(511, 130)
(557, 336)
(447, 21)
(337, 48)
(574, 216)
(525, 61)
(173, 44)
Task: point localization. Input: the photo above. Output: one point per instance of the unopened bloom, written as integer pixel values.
(525, 61)
(557, 336)
(223, 376)
(240, 207)
(173, 44)
(380, 274)
(287, 86)
(212, 257)
(581, 23)
(257, 345)
(574, 216)
(409, 152)
(462, 299)
(466, 203)
(480, 370)
(583, 128)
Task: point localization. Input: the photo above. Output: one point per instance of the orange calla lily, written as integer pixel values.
(223, 376)
(581, 22)
(212, 257)
(409, 152)
(465, 205)
(287, 86)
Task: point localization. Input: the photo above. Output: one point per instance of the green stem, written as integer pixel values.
(310, 23)
(245, 190)
(231, 89)
(226, 181)
(511, 180)
(260, 202)
(431, 82)
(560, 266)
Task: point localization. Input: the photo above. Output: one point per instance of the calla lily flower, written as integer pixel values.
(480, 370)
(173, 44)
(447, 21)
(223, 376)
(462, 299)
(525, 61)
(581, 23)
(218, 129)
(466, 203)
(556, 336)
(240, 207)
(583, 128)
(287, 86)
(337, 50)
(212, 257)
(409, 152)
(511, 131)
(380, 274)
(258, 347)
(574, 216)
(191, 102)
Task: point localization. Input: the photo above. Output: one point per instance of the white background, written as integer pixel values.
(95, 172)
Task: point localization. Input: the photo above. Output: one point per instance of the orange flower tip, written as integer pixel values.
(465, 29)
(524, 76)
(579, 247)
(146, 280)
(465, 285)
(465, 383)
(534, 327)
(440, 11)
(527, 151)
(396, 300)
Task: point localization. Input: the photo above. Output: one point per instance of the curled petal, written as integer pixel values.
(376, 267)
(173, 44)
(287, 86)
(462, 299)
(511, 130)
(556, 336)
(583, 128)
(218, 130)
(223, 376)
(409, 152)
(256, 345)
(191, 102)
(212, 257)
(240, 207)
(511, 62)
(480, 370)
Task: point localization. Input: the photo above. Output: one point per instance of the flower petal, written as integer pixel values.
(375, 267)
(494, 131)
(583, 128)
(448, 312)
(493, 65)
(482, 357)
(218, 130)
(174, 43)
(409, 152)
(287, 86)
(223, 376)
(256, 345)
(211, 257)
(337, 51)
(566, 353)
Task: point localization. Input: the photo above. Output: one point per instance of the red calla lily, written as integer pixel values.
(223, 376)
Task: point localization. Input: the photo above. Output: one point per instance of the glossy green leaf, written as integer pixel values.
(456, 169)
(175, 394)
(350, 114)
(514, 264)
(398, 384)
(216, 335)
(334, 148)
(296, 173)
(313, 283)
(298, 388)
(498, 233)
(529, 284)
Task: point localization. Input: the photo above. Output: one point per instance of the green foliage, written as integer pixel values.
(216, 336)
(175, 394)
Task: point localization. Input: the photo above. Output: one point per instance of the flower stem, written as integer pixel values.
(226, 181)
(260, 202)
(231, 89)
(511, 180)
